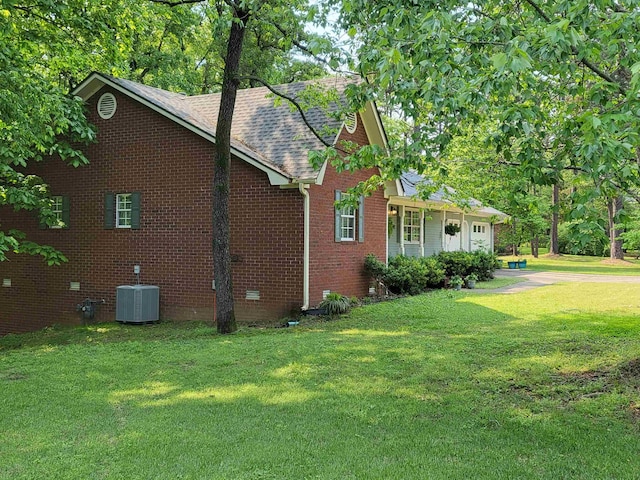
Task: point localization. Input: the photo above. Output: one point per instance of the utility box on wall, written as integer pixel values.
(137, 303)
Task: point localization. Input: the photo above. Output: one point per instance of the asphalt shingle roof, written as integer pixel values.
(274, 135)
(411, 182)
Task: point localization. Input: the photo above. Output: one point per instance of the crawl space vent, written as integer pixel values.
(107, 106)
(351, 122)
(253, 295)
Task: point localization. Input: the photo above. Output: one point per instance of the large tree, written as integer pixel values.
(560, 78)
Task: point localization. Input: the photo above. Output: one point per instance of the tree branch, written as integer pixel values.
(29, 11)
(306, 49)
(574, 51)
(175, 3)
(295, 103)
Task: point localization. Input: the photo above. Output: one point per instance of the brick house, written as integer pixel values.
(145, 199)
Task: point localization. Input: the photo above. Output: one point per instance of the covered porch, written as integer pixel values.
(421, 228)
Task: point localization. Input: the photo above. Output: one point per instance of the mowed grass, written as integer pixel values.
(578, 264)
(543, 384)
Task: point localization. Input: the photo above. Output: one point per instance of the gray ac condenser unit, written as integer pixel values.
(137, 303)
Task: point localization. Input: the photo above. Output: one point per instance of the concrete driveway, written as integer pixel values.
(534, 279)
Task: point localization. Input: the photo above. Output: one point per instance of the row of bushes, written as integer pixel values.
(409, 275)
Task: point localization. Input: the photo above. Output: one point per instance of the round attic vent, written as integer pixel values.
(351, 122)
(107, 106)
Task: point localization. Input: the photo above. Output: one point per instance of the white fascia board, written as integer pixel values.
(320, 178)
(371, 115)
(95, 81)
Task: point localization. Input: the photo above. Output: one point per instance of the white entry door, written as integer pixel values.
(480, 236)
(452, 242)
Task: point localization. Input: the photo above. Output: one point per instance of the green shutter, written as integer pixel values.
(399, 228)
(135, 210)
(338, 233)
(361, 219)
(65, 210)
(109, 210)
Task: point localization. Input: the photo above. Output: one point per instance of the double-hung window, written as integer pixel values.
(122, 210)
(411, 226)
(60, 208)
(349, 220)
(347, 224)
(56, 207)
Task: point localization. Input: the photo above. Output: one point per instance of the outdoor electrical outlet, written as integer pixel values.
(136, 269)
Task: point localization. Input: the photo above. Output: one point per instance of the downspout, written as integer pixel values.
(305, 255)
(386, 251)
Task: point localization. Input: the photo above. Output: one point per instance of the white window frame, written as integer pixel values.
(57, 208)
(348, 224)
(123, 197)
(411, 230)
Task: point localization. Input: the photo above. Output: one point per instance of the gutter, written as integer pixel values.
(305, 261)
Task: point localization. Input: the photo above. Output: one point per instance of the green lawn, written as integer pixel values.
(578, 264)
(498, 283)
(543, 384)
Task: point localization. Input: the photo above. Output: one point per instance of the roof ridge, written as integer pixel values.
(275, 87)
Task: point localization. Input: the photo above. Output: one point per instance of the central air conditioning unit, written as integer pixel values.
(137, 303)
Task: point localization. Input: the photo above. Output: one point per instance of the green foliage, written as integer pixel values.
(455, 263)
(538, 87)
(374, 268)
(631, 236)
(451, 229)
(408, 275)
(335, 304)
(583, 238)
(456, 281)
(462, 264)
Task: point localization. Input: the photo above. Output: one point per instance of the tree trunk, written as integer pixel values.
(226, 318)
(535, 242)
(614, 207)
(554, 246)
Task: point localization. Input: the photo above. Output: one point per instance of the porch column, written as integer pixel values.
(462, 231)
(444, 224)
(422, 232)
(491, 229)
(401, 227)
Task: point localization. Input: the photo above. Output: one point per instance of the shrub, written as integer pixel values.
(480, 263)
(335, 304)
(483, 264)
(455, 263)
(583, 238)
(374, 267)
(413, 275)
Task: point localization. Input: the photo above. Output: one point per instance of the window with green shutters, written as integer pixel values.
(122, 210)
(60, 207)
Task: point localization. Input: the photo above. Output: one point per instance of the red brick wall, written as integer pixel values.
(337, 266)
(266, 245)
(140, 150)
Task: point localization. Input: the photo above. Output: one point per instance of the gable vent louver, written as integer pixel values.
(351, 122)
(107, 106)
